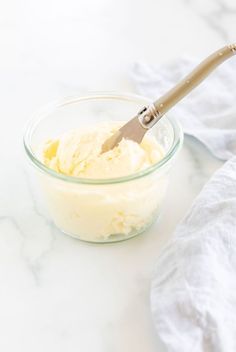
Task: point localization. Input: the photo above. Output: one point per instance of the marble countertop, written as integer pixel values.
(57, 293)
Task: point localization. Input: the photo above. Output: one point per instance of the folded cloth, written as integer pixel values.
(208, 113)
(193, 293)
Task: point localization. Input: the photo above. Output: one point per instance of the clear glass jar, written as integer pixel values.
(101, 210)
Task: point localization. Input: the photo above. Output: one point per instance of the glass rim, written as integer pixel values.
(43, 114)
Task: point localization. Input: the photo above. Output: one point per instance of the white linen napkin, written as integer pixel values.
(193, 294)
(208, 112)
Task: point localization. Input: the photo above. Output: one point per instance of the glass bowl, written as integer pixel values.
(101, 210)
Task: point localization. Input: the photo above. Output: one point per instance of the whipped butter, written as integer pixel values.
(78, 153)
(97, 212)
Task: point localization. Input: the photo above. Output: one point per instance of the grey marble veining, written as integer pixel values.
(216, 14)
(56, 293)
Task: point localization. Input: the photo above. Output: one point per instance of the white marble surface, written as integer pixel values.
(57, 293)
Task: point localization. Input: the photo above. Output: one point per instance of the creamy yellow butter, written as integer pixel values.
(102, 211)
(78, 153)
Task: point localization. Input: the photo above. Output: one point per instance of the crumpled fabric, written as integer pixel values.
(208, 113)
(193, 291)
